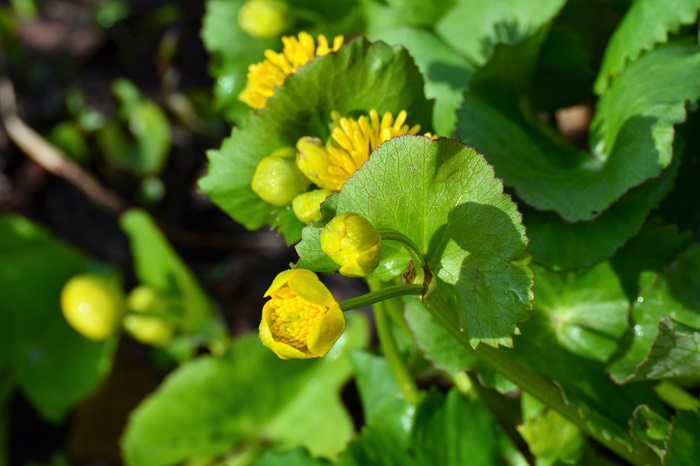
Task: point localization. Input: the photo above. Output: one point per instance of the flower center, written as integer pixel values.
(293, 317)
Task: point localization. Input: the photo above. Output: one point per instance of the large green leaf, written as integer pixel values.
(246, 398)
(446, 72)
(646, 24)
(454, 429)
(683, 446)
(53, 365)
(631, 136)
(158, 266)
(654, 347)
(587, 309)
(474, 27)
(560, 245)
(444, 197)
(359, 77)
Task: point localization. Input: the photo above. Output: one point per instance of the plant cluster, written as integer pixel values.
(514, 181)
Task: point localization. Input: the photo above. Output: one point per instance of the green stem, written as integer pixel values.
(537, 386)
(374, 297)
(391, 352)
(676, 397)
(393, 235)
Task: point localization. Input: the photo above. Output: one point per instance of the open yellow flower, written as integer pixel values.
(263, 77)
(352, 141)
(302, 319)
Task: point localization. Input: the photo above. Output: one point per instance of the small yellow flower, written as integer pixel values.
(263, 18)
(353, 243)
(263, 77)
(277, 179)
(352, 141)
(301, 320)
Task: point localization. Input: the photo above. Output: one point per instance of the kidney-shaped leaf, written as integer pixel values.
(445, 198)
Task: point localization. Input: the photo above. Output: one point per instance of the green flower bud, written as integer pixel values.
(353, 243)
(265, 19)
(307, 206)
(277, 179)
(149, 329)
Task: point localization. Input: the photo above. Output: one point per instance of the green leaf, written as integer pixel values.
(650, 428)
(444, 197)
(683, 447)
(672, 295)
(53, 365)
(560, 245)
(383, 403)
(646, 24)
(454, 429)
(445, 352)
(631, 137)
(655, 246)
(359, 77)
(587, 309)
(158, 266)
(213, 405)
(232, 52)
(298, 457)
(474, 27)
(446, 73)
(551, 437)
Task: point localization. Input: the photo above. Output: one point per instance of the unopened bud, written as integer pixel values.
(277, 179)
(353, 243)
(307, 206)
(265, 19)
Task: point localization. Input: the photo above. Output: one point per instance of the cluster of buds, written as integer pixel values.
(96, 308)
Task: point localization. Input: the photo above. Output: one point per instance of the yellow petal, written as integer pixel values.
(280, 280)
(326, 332)
(307, 286)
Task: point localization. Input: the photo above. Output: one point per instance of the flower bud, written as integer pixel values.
(149, 329)
(313, 159)
(277, 179)
(307, 206)
(92, 305)
(302, 319)
(353, 243)
(265, 19)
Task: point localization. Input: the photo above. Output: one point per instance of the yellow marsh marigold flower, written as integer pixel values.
(277, 179)
(301, 320)
(352, 140)
(353, 243)
(271, 72)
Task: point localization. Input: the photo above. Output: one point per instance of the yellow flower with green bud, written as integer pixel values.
(263, 77)
(307, 206)
(93, 306)
(264, 19)
(302, 319)
(151, 329)
(277, 179)
(353, 243)
(352, 141)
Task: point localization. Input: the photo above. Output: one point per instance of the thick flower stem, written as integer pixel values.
(537, 386)
(383, 294)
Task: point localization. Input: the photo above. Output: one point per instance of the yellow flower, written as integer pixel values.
(353, 243)
(93, 306)
(352, 141)
(301, 320)
(263, 77)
